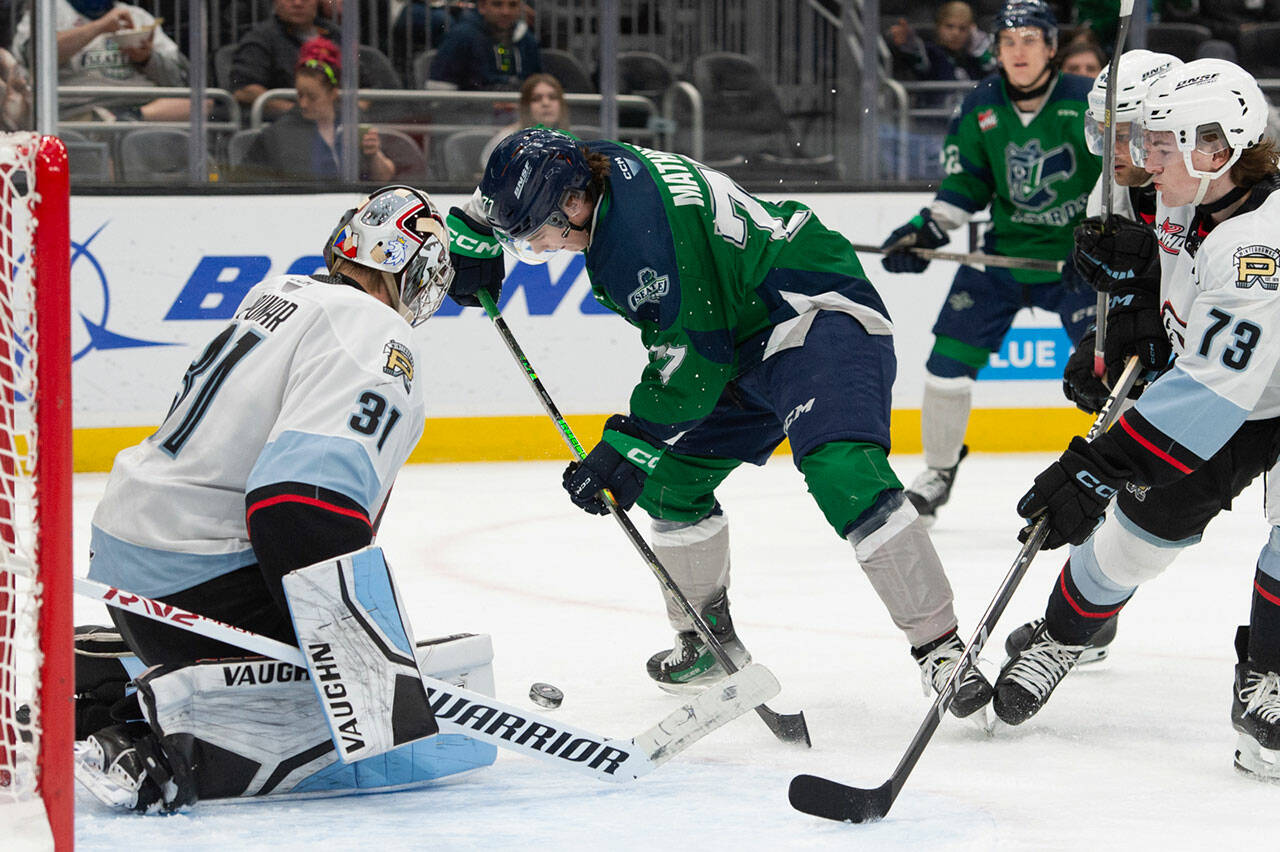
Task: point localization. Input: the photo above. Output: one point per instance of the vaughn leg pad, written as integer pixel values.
(256, 728)
(354, 633)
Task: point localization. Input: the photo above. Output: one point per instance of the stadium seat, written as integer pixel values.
(642, 73)
(1259, 49)
(240, 143)
(222, 58)
(422, 68)
(377, 67)
(399, 147)
(462, 154)
(1179, 39)
(155, 154)
(88, 160)
(566, 68)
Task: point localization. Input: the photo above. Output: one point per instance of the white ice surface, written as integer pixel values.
(1133, 753)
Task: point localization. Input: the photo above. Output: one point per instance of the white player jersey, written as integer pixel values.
(1120, 203)
(1221, 310)
(311, 382)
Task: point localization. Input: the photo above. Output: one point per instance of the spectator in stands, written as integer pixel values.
(302, 144)
(1084, 58)
(960, 51)
(420, 26)
(94, 50)
(492, 48)
(1223, 17)
(541, 102)
(268, 54)
(15, 94)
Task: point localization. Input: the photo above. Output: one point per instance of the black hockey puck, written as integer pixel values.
(545, 695)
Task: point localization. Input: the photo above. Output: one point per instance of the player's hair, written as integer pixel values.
(953, 9)
(1256, 163)
(526, 98)
(320, 58)
(600, 166)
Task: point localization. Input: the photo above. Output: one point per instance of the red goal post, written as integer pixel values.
(37, 712)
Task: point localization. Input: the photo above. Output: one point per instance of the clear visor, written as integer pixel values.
(540, 244)
(425, 282)
(1156, 149)
(1094, 130)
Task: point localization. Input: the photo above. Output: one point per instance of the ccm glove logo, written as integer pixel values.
(1092, 484)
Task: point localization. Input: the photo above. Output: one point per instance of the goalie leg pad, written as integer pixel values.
(697, 558)
(894, 549)
(253, 727)
(353, 631)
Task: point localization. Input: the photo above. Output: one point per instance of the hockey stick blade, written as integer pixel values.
(821, 797)
(484, 718)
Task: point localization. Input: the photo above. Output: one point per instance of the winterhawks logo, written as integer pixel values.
(1171, 236)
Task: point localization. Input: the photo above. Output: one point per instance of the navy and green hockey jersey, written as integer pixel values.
(714, 278)
(1036, 177)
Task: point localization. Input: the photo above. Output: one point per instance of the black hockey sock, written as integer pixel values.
(1264, 623)
(1071, 618)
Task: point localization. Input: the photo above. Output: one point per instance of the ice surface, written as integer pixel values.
(1133, 753)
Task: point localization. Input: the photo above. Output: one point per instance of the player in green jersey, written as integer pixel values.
(1016, 145)
(760, 325)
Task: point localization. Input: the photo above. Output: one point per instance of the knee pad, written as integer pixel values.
(1127, 555)
(846, 479)
(696, 556)
(254, 727)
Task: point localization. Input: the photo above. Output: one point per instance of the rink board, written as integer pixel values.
(154, 277)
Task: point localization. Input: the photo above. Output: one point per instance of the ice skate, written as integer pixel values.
(937, 660)
(1028, 679)
(932, 488)
(1094, 652)
(109, 766)
(1255, 714)
(690, 667)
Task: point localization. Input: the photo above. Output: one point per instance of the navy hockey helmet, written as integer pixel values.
(1028, 13)
(398, 231)
(529, 178)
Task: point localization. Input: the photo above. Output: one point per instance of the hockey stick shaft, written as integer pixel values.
(472, 714)
(833, 800)
(788, 727)
(976, 258)
(1109, 173)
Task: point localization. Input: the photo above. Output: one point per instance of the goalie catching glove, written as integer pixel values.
(922, 231)
(476, 257)
(621, 462)
(1072, 494)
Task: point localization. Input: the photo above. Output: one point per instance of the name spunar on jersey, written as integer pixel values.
(1257, 265)
(269, 311)
(652, 288)
(537, 736)
(399, 362)
(333, 692)
(677, 174)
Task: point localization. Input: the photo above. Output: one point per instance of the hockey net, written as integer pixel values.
(36, 669)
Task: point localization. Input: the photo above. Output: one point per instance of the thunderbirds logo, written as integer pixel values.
(1032, 170)
(652, 288)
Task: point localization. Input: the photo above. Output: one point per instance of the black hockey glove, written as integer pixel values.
(476, 258)
(1135, 327)
(1072, 493)
(921, 232)
(621, 462)
(1079, 384)
(1117, 253)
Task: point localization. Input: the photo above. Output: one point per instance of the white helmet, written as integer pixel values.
(1209, 105)
(1138, 70)
(400, 233)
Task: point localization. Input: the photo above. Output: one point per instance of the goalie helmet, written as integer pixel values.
(1138, 70)
(1017, 14)
(529, 178)
(1209, 105)
(398, 232)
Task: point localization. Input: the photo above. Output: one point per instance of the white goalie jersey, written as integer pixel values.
(311, 382)
(1221, 310)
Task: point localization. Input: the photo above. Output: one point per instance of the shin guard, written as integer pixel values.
(697, 558)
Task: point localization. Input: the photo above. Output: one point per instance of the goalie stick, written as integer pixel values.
(832, 800)
(472, 714)
(974, 258)
(788, 728)
(1109, 173)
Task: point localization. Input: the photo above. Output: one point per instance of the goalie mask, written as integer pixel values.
(1138, 70)
(398, 232)
(1209, 105)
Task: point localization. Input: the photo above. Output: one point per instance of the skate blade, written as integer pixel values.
(1255, 761)
(982, 719)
